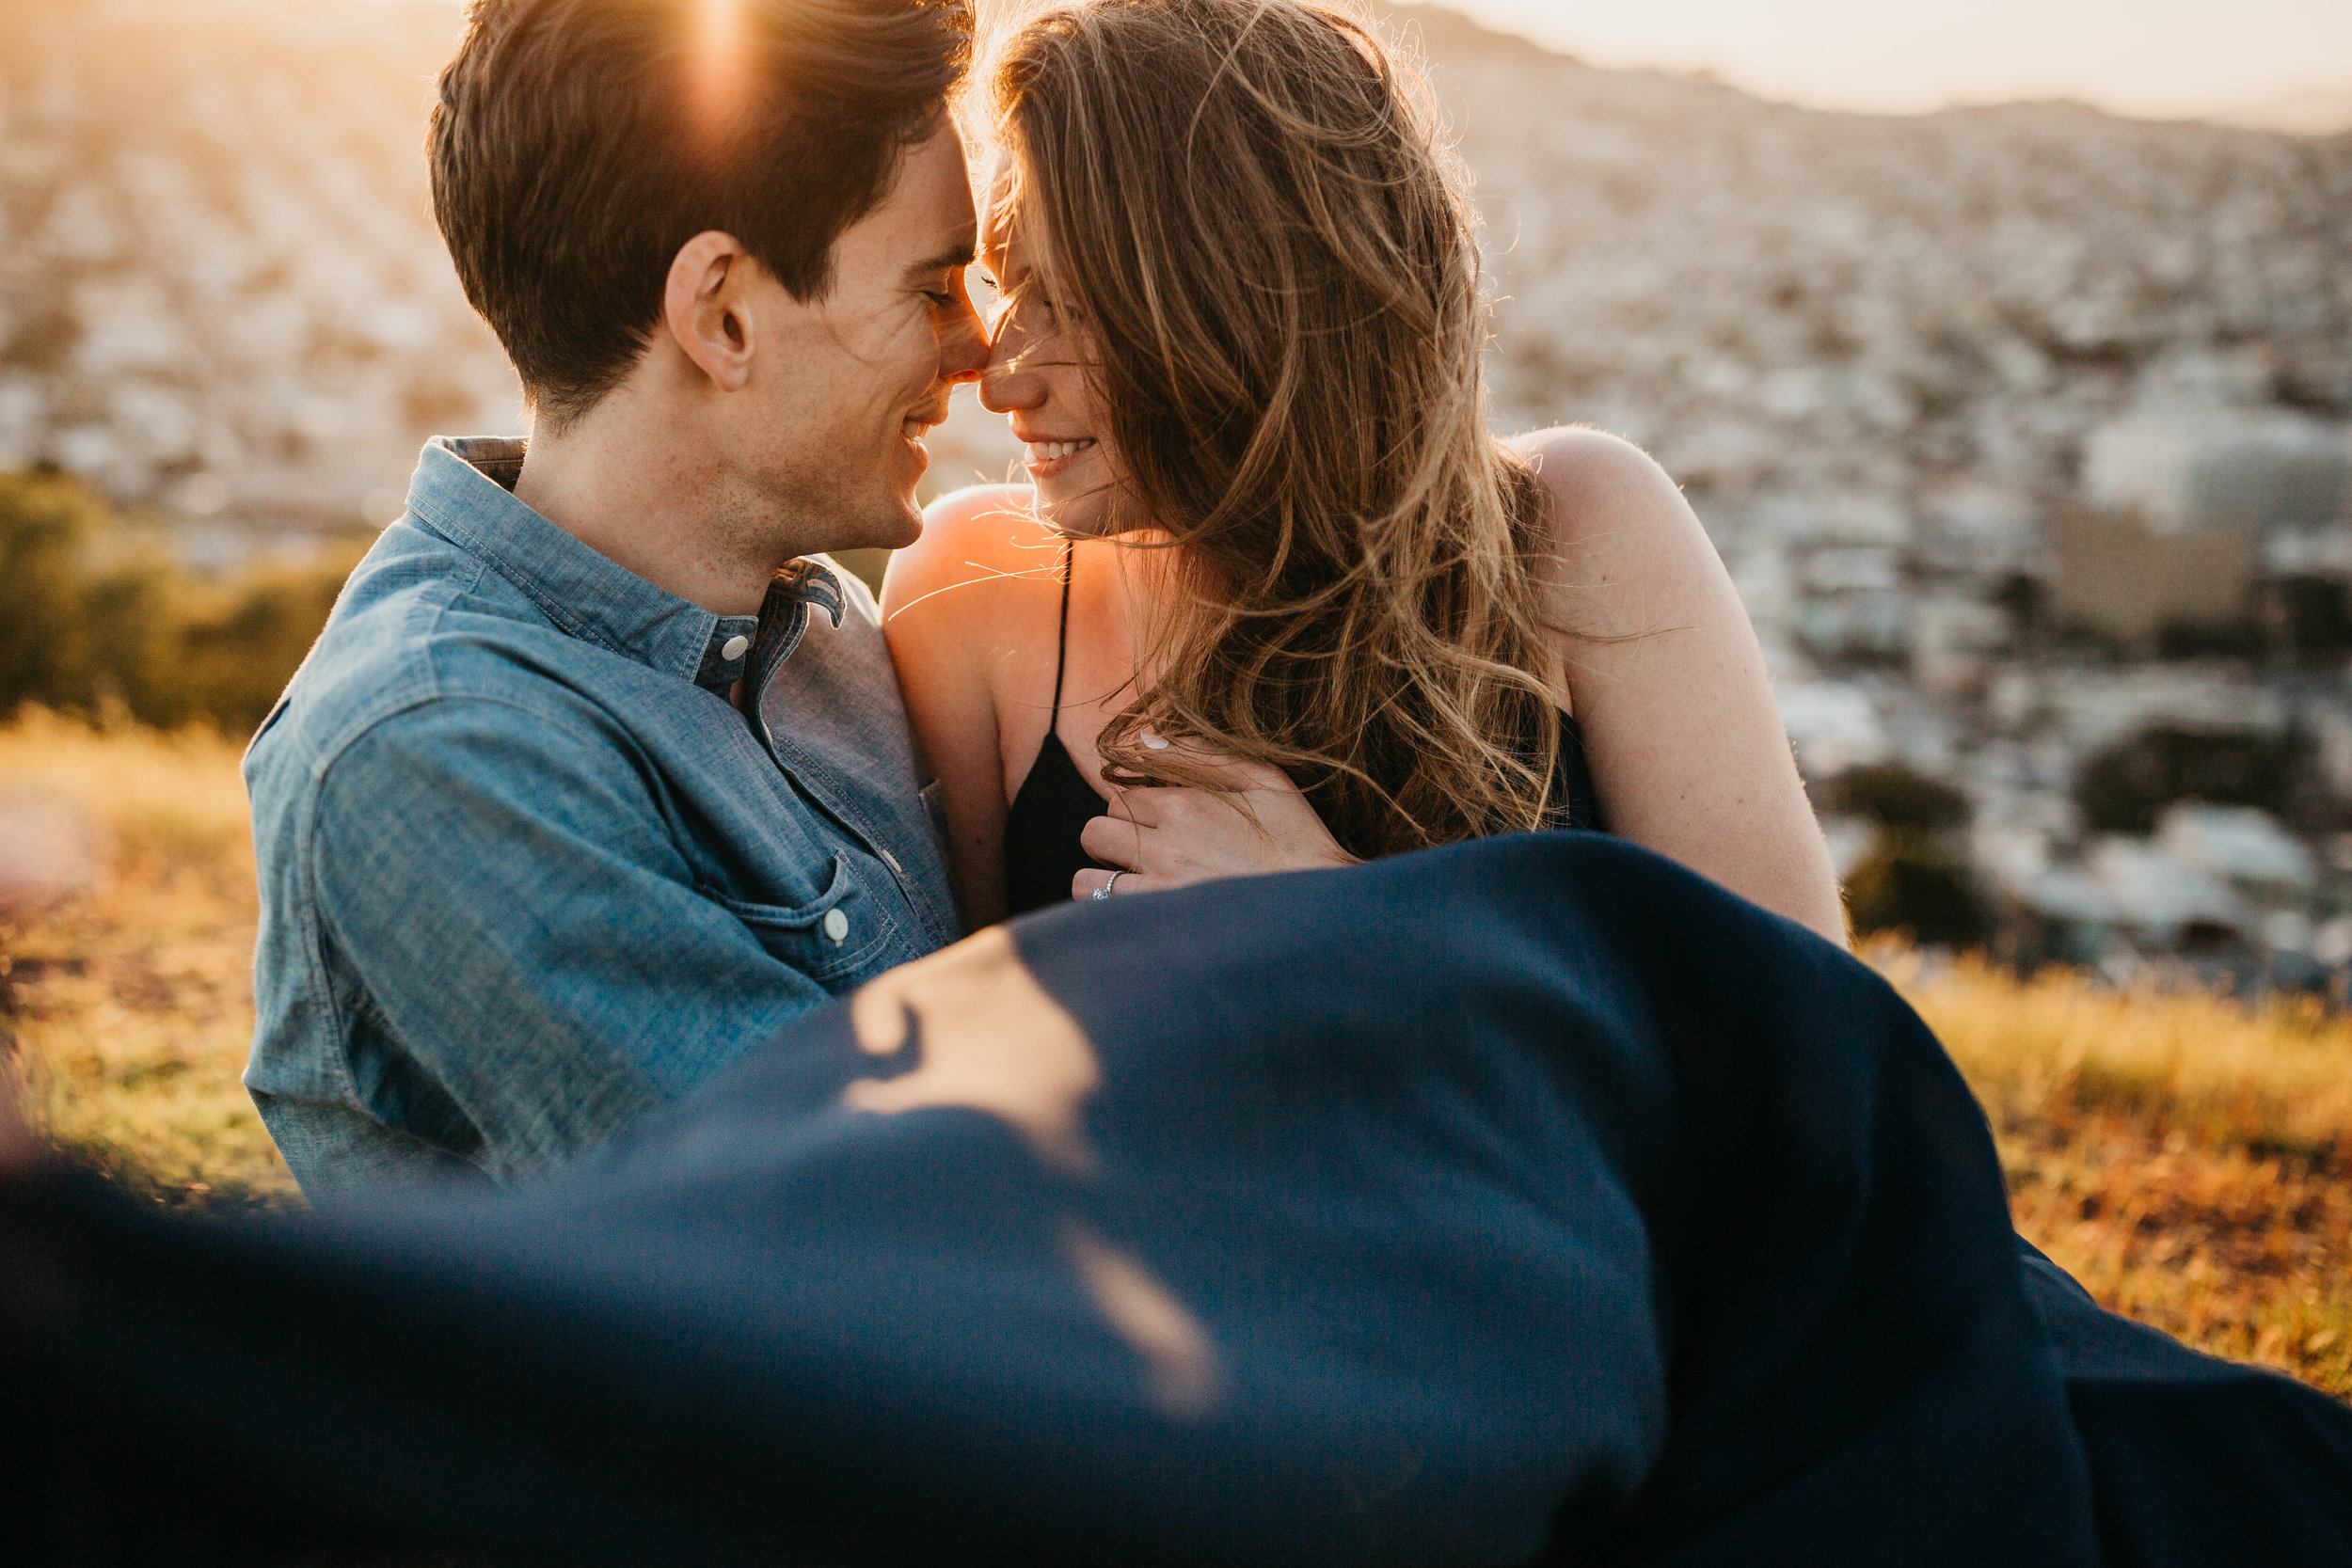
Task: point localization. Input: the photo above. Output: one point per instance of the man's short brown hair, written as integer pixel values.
(578, 144)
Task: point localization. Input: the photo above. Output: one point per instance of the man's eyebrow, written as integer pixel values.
(961, 255)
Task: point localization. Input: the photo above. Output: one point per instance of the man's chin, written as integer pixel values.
(884, 523)
(893, 524)
(915, 461)
(907, 527)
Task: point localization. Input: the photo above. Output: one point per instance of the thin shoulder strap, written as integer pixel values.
(1061, 644)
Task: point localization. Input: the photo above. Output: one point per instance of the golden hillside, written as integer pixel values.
(2186, 1157)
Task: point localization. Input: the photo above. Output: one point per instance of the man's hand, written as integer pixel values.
(1170, 837)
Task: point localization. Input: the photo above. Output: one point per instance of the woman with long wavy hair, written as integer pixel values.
(1270, 556)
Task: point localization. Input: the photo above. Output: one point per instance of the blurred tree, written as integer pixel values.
(1894, 797)
(2121, 788)
(240, 651)
(140, 630)
(130, 621)
(47, 523)
(1906, 883)
(2313, 615)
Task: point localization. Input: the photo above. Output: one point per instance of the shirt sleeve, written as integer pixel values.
(505, 889)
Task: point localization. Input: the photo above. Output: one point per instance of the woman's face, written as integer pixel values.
(1037, 376)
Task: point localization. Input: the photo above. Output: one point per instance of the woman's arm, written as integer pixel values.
(1668, 685)
(961, 608)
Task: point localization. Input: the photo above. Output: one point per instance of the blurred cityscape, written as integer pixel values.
(2025, 431)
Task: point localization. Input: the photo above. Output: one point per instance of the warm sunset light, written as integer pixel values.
(2281, 63)
(718, 63)
(1588, 791)
(2234, 58)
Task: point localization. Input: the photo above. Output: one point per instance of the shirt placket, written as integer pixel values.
(797, 593)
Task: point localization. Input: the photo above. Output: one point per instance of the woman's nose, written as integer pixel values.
(1006, 386)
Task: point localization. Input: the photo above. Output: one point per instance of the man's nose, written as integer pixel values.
(963, 347)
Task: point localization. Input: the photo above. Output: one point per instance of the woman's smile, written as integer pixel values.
(1047, 459)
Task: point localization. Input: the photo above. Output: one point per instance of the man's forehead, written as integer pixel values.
(944, 180)
(926, 223)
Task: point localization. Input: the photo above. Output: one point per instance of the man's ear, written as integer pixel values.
(706, 306)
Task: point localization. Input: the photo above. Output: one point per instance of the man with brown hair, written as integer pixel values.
(598, 775)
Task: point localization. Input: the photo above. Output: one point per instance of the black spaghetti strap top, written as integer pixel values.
(1055, 803)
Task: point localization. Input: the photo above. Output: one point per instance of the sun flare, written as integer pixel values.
(719, 64)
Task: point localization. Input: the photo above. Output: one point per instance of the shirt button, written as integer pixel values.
(735, 648)
(837, 925)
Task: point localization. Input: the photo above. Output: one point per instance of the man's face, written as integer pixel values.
(846, 385)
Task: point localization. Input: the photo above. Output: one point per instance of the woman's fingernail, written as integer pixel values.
(1152, 742)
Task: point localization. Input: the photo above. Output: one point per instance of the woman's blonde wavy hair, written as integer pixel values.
(1246, 208)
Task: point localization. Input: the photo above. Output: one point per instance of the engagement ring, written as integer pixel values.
(1105, 891)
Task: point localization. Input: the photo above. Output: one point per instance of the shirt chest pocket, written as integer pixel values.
(839, 939)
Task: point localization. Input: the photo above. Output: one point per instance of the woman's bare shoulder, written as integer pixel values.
(1598, 480)
(1628, 551)
(979, 529)
(1670, 686)
(972, 539)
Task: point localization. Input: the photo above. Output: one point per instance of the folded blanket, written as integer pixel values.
(1524, 1200)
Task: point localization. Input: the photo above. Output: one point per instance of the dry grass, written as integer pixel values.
(126, 963)
(2186, 1158)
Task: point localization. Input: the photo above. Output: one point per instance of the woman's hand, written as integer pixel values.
(1168, 837)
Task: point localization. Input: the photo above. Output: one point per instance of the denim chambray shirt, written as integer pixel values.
(525, 872)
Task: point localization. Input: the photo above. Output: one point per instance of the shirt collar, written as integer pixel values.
(464, 492)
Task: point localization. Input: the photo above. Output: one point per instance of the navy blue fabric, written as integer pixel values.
(1534, 1200)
